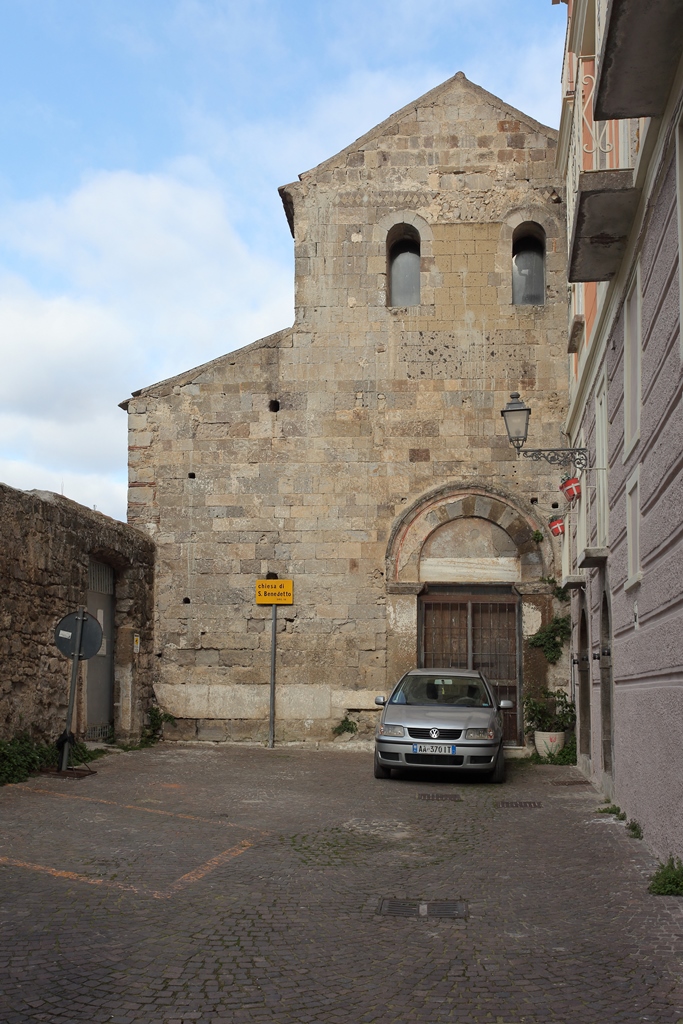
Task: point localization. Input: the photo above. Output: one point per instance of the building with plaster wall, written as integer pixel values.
(361, 452)
(621, 151)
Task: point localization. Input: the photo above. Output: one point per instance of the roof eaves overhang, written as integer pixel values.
(288, 204)
(641, 50)
(606, 204)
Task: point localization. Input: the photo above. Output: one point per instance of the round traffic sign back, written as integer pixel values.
(91, 635)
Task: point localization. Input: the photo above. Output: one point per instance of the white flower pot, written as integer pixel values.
(548, 742)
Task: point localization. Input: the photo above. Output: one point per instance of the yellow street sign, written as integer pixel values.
(274, 591)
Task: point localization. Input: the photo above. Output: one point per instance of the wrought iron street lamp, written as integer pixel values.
(516, 415)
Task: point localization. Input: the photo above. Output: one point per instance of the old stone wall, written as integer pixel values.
(46, 543)
(301, 454)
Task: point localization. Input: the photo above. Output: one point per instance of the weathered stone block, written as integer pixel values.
(209, 729)
(184, 729)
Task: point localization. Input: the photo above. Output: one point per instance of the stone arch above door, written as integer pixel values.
(469, 549)
(416, 536)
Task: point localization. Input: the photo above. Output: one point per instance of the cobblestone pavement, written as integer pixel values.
(238, 884)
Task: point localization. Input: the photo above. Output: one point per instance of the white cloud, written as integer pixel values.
(91, 489)
(231, 29)
(87, 441)
(162, 252)
(57, 353)
(147, 278)
(529, 79)
(268, 152)
(132, 277)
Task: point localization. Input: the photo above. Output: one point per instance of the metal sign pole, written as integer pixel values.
(72, 691)
(273, 648)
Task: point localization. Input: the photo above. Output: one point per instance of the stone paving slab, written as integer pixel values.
(238, 884)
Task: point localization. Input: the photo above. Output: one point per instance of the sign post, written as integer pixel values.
(273, 592)
(273, 648)
(79, 636)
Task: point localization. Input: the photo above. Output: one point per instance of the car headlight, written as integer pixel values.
(391, 730)
(480, 734)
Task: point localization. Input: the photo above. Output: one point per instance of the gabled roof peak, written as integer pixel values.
(458, 82)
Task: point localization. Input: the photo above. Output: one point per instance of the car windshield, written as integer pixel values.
(441, 689)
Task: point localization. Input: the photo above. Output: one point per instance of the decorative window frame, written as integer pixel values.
(601, 463)
(554, 234)
(401, 234)
(534, 231)
(583, 507)
(632, 430)
(679, 205)
(429, 279)
(634, 573)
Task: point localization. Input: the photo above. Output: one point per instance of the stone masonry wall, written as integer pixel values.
(377, 407)
(46, 542)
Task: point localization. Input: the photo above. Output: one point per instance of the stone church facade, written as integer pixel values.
(361, 452)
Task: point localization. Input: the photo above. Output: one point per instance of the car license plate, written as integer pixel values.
(433, 748)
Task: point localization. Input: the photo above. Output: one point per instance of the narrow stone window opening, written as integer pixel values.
(190, 476)
(403, 266)
(186, 600)
(528, 265)
(274, 405)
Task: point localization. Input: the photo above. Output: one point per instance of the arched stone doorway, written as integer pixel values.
(455, 564)
(413, 531)
(584, 689)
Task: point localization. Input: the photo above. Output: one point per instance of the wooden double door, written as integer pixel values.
(476, 628)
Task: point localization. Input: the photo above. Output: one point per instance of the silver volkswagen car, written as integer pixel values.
(444, 719)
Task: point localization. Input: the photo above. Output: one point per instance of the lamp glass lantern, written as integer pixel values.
(516, 415)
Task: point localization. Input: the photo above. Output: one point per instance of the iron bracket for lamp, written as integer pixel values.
(516, 415)
(577, 457)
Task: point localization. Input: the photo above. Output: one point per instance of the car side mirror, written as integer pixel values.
(505, 705)
(381, 701)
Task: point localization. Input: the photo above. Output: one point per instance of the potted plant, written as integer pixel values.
(556, 524)
(548, 717)
(571, 488)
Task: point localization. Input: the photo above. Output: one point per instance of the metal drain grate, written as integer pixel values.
(571, 782)
(441, 797)
(519, 803)
(422, 908)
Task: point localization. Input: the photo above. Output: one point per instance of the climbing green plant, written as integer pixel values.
(552, 637)
(151, 733)
(553, 711)
(346, 725)
(561, 593)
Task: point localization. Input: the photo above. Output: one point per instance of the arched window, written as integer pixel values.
(528, 265)
(403, 266)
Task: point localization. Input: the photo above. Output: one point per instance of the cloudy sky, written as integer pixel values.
(141, 146)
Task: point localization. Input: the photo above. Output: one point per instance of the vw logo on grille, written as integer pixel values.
(434, 733)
